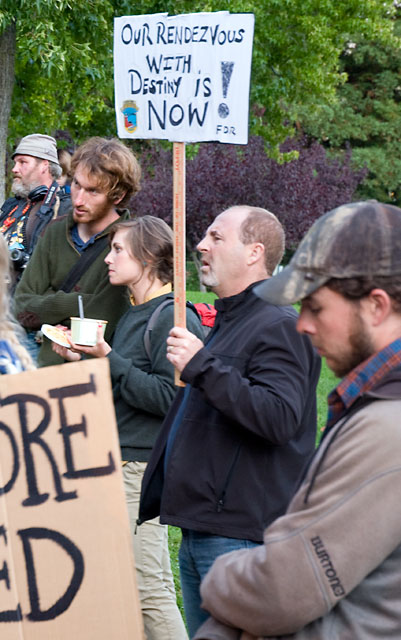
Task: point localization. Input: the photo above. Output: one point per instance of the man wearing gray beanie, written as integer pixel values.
(37, 198)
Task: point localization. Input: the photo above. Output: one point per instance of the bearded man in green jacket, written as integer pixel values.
(105, 176)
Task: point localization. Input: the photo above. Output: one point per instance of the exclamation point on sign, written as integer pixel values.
(226, 73)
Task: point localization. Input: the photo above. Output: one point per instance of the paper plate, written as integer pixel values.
(57, 335)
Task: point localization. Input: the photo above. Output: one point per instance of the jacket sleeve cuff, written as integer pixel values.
(195, 366)
(117, 362)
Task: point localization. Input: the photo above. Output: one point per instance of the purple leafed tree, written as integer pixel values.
(220, 176)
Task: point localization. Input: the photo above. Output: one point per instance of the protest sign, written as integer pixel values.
(66, 562)
(183, 78)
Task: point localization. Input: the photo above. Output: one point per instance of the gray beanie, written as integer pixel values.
(38, 146)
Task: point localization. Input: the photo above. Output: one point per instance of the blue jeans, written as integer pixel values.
(31, 345)
(197, 553)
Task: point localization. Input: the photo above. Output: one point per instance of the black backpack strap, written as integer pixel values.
(86, 258)
(10, 204)
(46, 212)
(151, 323)
(154, 318)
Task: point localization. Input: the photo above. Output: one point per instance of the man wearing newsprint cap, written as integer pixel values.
(37, 198)
(330, 568)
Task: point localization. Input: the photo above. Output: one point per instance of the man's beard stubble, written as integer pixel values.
(209, 279)
(361, 348)
(20, 189)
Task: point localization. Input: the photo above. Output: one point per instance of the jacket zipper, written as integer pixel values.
(221, 500)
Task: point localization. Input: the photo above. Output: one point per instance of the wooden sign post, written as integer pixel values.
(183, 78)
(179, 240)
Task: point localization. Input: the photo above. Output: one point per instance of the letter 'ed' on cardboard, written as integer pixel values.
(66, 560)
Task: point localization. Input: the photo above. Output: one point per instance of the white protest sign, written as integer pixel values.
(66, 562)
(183, 78)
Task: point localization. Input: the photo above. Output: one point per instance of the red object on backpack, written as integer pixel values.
(206, 312)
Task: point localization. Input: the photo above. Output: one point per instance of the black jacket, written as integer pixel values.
(42, 214)
(248, 427)
(21, 231)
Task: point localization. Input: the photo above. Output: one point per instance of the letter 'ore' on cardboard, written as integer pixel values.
(66, 560)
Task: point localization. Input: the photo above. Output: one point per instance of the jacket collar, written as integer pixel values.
(232, 304)
(389, 388)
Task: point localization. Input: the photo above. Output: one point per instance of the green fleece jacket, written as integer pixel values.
(143, 386)
(39, 300)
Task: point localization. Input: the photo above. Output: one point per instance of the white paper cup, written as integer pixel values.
(84, 330)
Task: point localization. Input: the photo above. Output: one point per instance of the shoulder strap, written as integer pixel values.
(46, 212)
(151, 323)
(10, 204)
(85, 260)
(153, 319)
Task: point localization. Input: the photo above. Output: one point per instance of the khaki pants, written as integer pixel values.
(161, 616)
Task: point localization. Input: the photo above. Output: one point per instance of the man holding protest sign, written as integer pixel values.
(236, 438)
(330, 567)
(69, 259)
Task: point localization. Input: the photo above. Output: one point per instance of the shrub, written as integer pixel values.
(220, 176)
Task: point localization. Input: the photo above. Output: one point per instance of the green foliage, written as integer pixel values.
(64, 67)
(192, 276)
(296, 55)
(367, 115)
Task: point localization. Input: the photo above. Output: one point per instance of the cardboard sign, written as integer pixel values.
(183, 78)
(66, 561)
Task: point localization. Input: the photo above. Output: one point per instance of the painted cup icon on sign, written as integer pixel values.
(130, 110)
(226, 73)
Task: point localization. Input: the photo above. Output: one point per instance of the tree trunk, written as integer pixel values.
(7, 74)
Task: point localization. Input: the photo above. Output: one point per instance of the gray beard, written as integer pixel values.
(22, 190)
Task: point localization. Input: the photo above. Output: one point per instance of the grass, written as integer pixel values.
(201, 296)
(327, 382)
(174, 540)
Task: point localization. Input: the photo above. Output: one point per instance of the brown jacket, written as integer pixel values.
(330, 568)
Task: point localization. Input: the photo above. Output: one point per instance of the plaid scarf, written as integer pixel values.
(362, 379)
